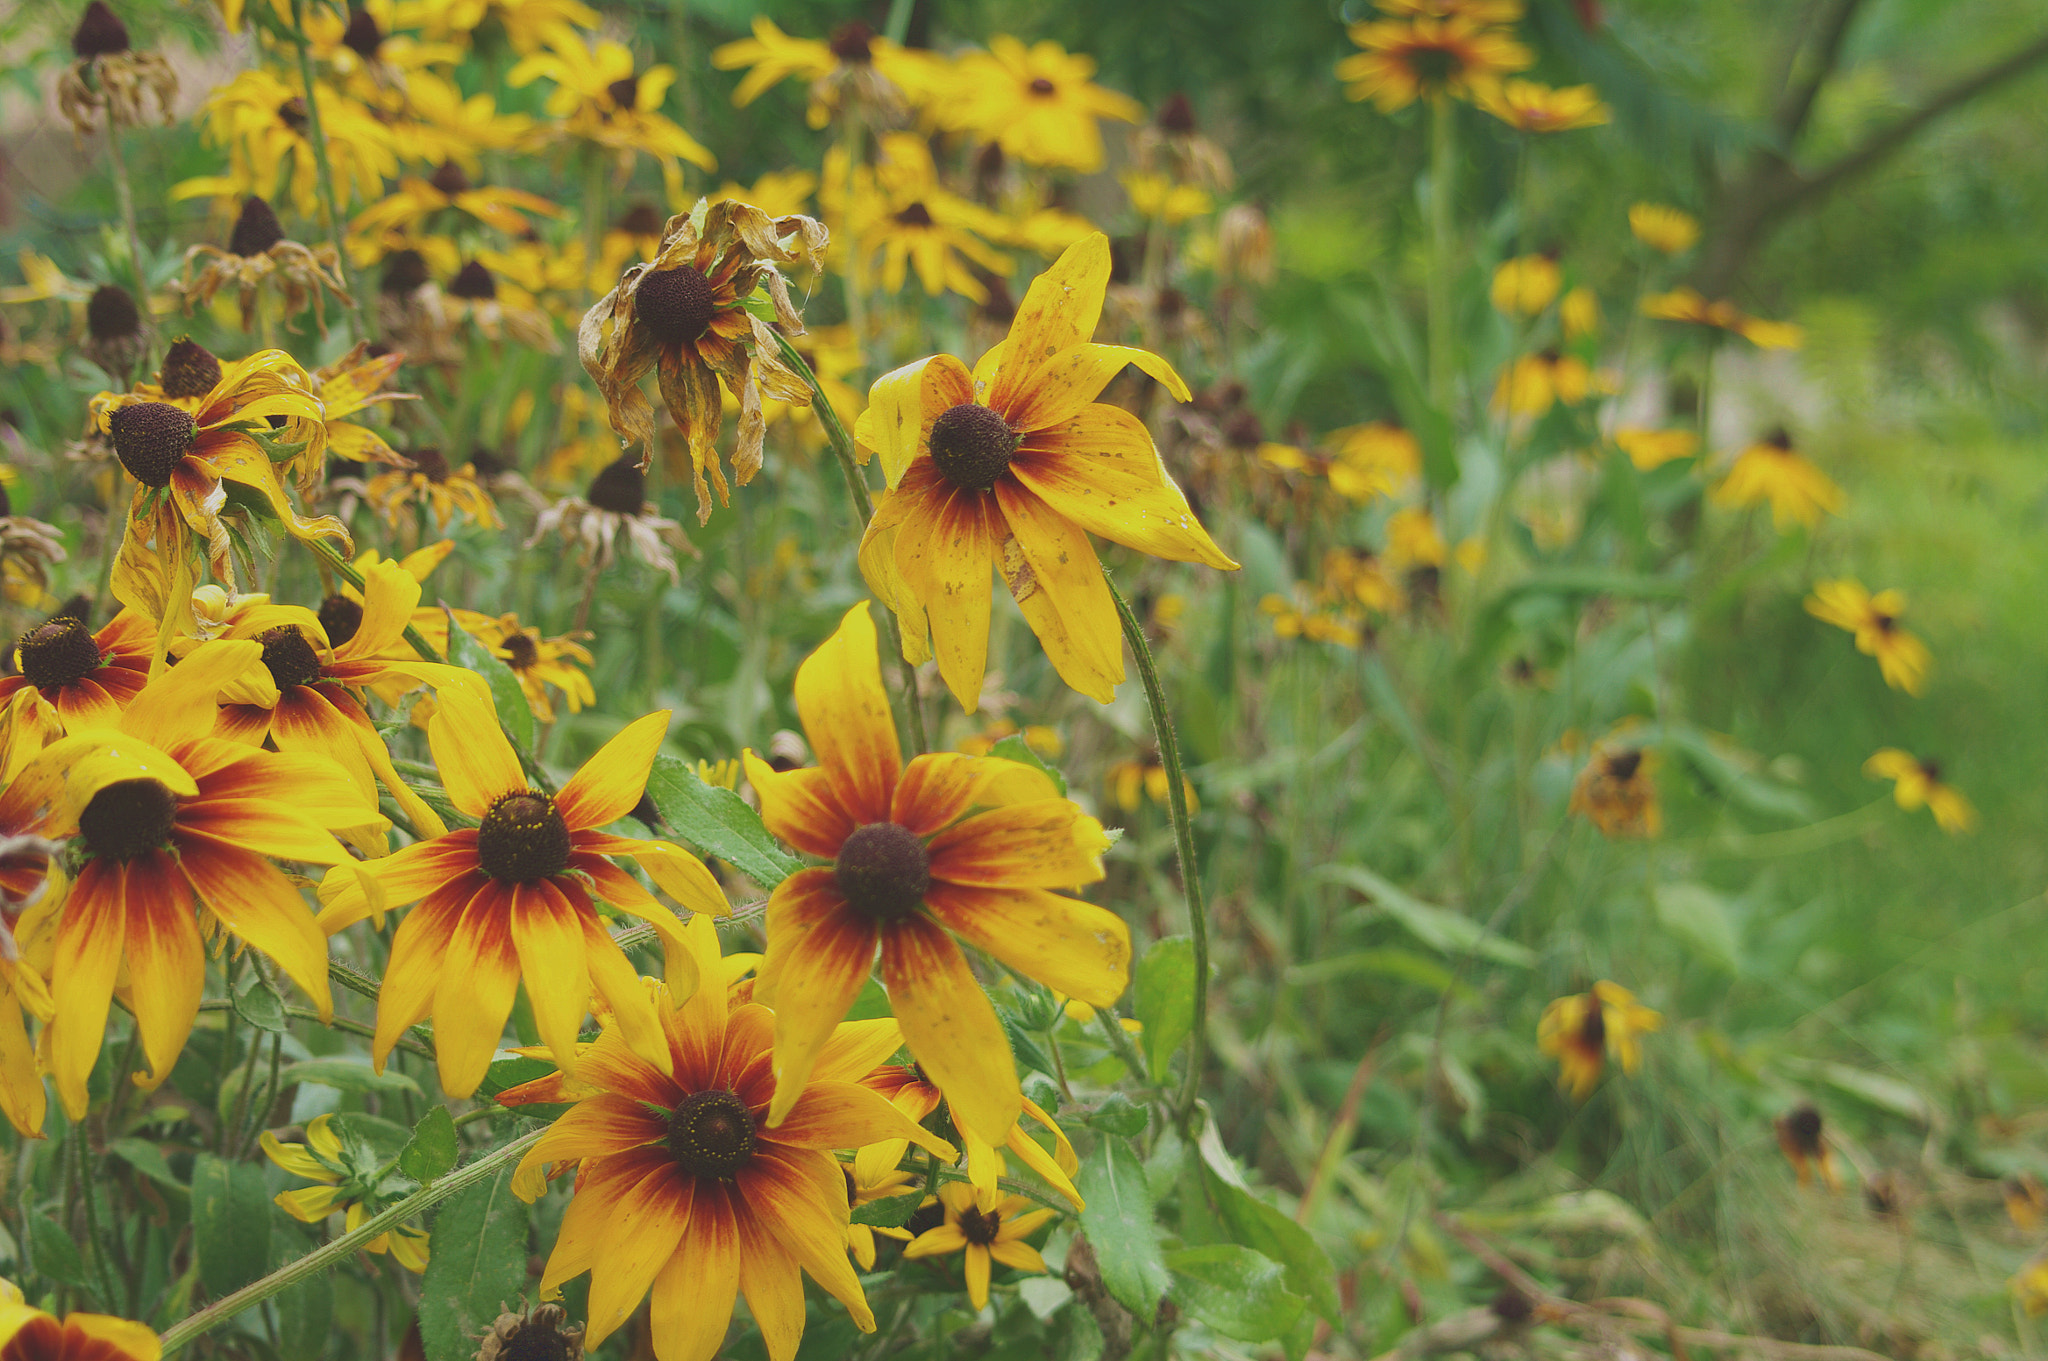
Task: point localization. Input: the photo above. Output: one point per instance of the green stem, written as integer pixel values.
(1442, 160)
(330, 202)
(1120, 1045)
(864, 503)
(341, 1023)
(124, 195)
(321, 1258)
(346, 570)
(1183, 840)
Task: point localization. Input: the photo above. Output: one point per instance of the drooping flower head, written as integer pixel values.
(1772, 470)
(615, 505)
(1917, 782)
(1615, 791)
(950, 843)
(1579, 1031)
(686, 1187)
(1008, 469)
(682, 315)
(111, 76)
(259, 252)
(1690, 306)
(1874, 619)
(512, 898)
(347, 1175)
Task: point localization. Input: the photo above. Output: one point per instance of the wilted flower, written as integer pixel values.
(110, 76)
(617, 503)
(1616, 794)
(1578, 1031)
(542, 1333)
(258, 251)
(1805, 1145)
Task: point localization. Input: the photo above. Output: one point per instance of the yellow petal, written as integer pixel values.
(1059, 312)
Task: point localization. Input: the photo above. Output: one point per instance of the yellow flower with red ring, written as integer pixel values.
(512, 898)
(949, 843)
(29, 1334)
(87, 677)
(1009, 468)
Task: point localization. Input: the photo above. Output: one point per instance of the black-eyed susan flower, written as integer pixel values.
(1428, 57)
(1525, 285)
(1804, 1142)
(110, 77)
(166, 813)
(349, 1177)
(1536, 382)
(1615, 792)
(541, 664)
(88, 677)
(433, 486)
(855, 66)
(258, 253)
(984, 1236)
(1689, 306)
(1772, 470)
(1650, 449)
(603, 98)
(1874, 619)
(1290, 622)
(543, 1332)
(683, 316)
(1531, 106)
(1580, 1030)
(449, 190)
(1009, 468)
(1478, 11)
(1131, 783)
(901, 214)
(950, 843)
(1667, 230)
(687, 1188)
(512, 898)
(1917, 782)
(1413, 541)
(265, 125)
(29, 1334)
(348, 387)
(1038, 103)
(615, 505)
(917, 1096)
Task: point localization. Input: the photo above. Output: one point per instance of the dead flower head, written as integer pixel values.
(257, 252)
(617, 502)
(27, 547)
(117, 332)
(1616, 794)
(684, 315)
(540, 1334)
(110, 77)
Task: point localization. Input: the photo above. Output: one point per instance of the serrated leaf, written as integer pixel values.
(346, 1075)
(1118, 1115)
(717, 822)
(515, 715)
(1237, 1291)
(890, 1212)
(1163, 998)
(477, 1262)
(432, 1150)
(1015, 748)
(1118, 1222)
(1255, 1224)
(230, 1223)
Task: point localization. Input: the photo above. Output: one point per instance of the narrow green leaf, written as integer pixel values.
(1440, 928)
(717, 822)
(56, 1256)
(890, 1212)
(146, 1158)
(477, 1263)
(1163, 996)
(514, 713)
(230, 1223)
(346, 1075)
(1118, 1222)
(1235, 1290)
(432, 1149)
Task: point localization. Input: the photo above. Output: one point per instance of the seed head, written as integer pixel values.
(100, 33)
(620, 487)
(677, 304)
(111, 313)
(150, 438)
(256, 229)
(189, 369)
(972, 446)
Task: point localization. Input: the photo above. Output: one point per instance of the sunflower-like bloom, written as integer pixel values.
(1663, 228)
(265, 124)
(1010, 468)
(443, 491)
(599, 97)
(617, 504)
(686, 1187)
(1687, 305)
(88, 677)
(539, 663)
(111, 77)
(1917, 782)
(1874, 619)
(855, 66)
(913, 859)
(1615, 793)
(911, 1092)
(899, 212)
(1649, 449)
(1372, 460)
(1805, 1145)
(352, 384)
(1478, 11)
(1037, 103)
(683, 315)
(1537, 382)
(442, 124)
(1527, 284)
(512, 898)
(29, 1334)
(258, 252)
(166, 813)
(1531, 106)
(415, 200)
(346, 1177)
(30, 890)
(1772, 470)
(982, 1235)
(1578, 1031)
(1428, 57)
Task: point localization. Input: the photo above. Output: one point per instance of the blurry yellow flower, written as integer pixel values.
(1525, 285)
(443, 491)
(1579, 1030)
(900, 213)
(1131, 782)
(264, 124)
(779, 193)
(1530, 106)
(1874, 619)
(1045, 741)
(856, 66)
(1375, 459)
(599, 97)
(1428, 56)
(439, 124)
(1037, 103)
(1579, 313)
(995, 1234)
(415, 201)
(1770, 470)
(1357, 575)
(1687, 305)
(1538, 381)
(1615, 793)
(2026, 1201)
(1917, 782)
(2030, 1286)
(1413, 540)
(1478, 11)
(1157, 197)
(1649, 449)
(1663, 228)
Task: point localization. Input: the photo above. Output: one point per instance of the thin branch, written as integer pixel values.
(1796, 107)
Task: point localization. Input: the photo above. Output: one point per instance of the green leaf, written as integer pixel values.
(1118, 1115)
(1015, 748)
(514, 714)
(432, 1149)
(146, 1158)
(717, 822)
(1236, 1291)
(261, 1007)
(1389, 962)
(1255, 1224)
(1698, 916)
(1163, 996)
(56, 1256)
(478, 1262)
(305, 1312)
(1118, 1222)
(346, 1075)
(230, 1223)
(369, 1141)
(508, 1073)
(890, 1212)
(1441, 929)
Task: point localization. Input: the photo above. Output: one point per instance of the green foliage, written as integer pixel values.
(478, 1264)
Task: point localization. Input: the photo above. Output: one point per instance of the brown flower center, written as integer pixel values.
(449, 179)
(677, 304)
(972, 445)
(256, 229)
(538, 1339)
(341, 617)
(523, 649)
(1623, 765)
(620, 487)
(625, 92)
(853, 43)
(1177, 115)
(292, 113)
(58, 653)
(1802, 1128)
(100, 33)
(128, 818)
(362, 36)
(1593, 1029)
(150, 438)
(642, 219)
(883, 871)
(111, 313)
(473, 281)
(916, 215)
(404, 272)
(290, 657)
(431, 464)
(1433, 66)
(1043, 87)
(522, 839)
(711, 1135)
(980, 1226)
(1885, 623)
(189, 370)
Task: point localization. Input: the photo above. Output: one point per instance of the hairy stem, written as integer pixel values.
(330, 201)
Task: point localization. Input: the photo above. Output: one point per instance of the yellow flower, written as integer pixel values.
(345, 1177)
(435, 487)
(1478, 11)
(1538, 381)
(264, 123)
(449, 190)
(1356, 575)
(1525, 285)
(983, 1236)
(1376, 459)
(855, 64)
(1530, 106)
(2029, 1286)
(1427, 57)
(1663, 228)
(860, 1238)
(1009, 468)
(599, 97)
(1289, 623)
(1874, 619)
(1157, 197)
(900, 212)
(1649, 449)
(439, 124)
(1579, 313)
(538, 662)
(1579, 1030)
(29, 1334)
(1413, 540)
(778, 193)
(1616, 794)
(1770, 470)
(1132, 781)
(1687, 305)
(1917, 782)
(1037, 103)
